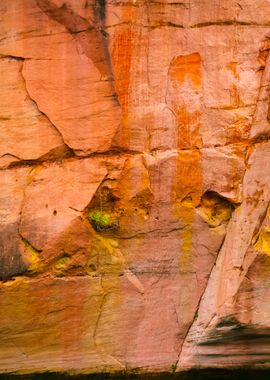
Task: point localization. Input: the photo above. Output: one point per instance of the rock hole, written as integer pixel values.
(215, 209)
(92, 267)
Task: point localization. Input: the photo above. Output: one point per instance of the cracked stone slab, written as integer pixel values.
(236, 259)
(25, 133)
(12, 185)
(39, 313)
(164, 108)
(81, 107)
(56, 195)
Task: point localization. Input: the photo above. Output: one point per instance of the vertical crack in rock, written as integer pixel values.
(91, 36)
(179, 327)
(100, 10)
(103, 300)
(258, 228)
(260, 123)
(11, 233)
(178, 363)
(21, 211)
(60, 149)
(100, 311)
(232, 261)
(41, 112)
(27, 242)
(261, 110)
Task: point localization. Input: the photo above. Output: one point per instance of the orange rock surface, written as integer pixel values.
(134, 186)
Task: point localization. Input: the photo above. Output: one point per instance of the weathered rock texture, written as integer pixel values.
(135, 184)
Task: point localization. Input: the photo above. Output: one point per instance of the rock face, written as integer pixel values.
(135, 185)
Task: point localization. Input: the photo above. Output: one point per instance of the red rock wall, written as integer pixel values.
(135, 185)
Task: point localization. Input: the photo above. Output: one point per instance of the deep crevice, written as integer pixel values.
(40, 111)
(244, 373)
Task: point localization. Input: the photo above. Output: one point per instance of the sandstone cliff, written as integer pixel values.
(134, 184)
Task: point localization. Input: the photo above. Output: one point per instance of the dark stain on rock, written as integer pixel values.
(90, 35)
(194, 374)
(231, 331)
(11, 263)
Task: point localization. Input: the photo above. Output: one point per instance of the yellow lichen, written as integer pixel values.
(215, 209)
(61, 265)
(33, 259)
(263, 242)
(105, 255)
(187, 190)
(33, 172)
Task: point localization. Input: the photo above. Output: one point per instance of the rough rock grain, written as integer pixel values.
(134, 187)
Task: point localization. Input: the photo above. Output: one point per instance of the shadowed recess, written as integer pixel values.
(196, 374)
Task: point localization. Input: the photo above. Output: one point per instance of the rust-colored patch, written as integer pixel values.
(187, 192)
(186, 66)
(134, 194)
(185, 76)
(185, 97)
(239, 130)
(234, 93)
(263, 54)
(188, 182)
(232, 66)
(188, 128)
(121, 60)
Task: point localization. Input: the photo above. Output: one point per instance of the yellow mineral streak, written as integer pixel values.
(32, 258)
(188, 192)
(263, 242)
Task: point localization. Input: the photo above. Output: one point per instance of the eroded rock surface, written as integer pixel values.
(135, 185)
